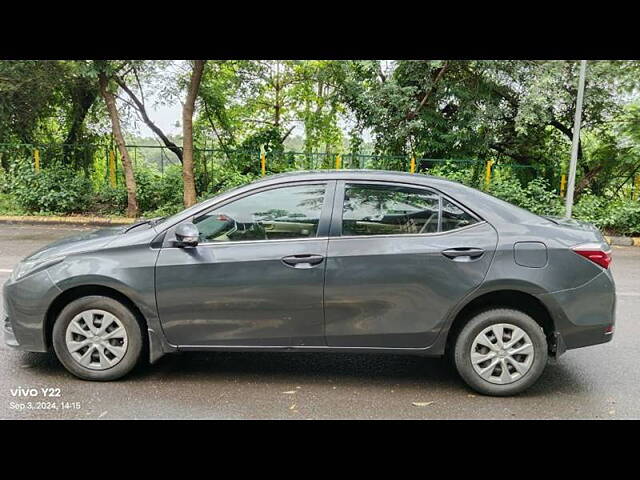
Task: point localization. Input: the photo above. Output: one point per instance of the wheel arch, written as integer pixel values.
(73, 293)
(503, 298)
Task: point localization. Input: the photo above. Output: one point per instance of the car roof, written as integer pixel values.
(353, 174)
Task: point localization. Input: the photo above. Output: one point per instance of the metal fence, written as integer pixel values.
(102, 162)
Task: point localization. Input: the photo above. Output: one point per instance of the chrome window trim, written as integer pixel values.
(253, 242)
(405, 235)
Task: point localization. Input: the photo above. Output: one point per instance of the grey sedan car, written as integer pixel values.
(348, 261)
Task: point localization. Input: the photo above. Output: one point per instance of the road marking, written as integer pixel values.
(628, 294)
(6, 270)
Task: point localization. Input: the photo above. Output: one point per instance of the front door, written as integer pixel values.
(256, 277)
(399, 259)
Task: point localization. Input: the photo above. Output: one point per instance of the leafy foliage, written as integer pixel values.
(55, 190)
(518, 113)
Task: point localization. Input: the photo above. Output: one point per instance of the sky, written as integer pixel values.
(164, 116)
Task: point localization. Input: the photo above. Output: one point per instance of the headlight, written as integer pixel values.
(27, 267)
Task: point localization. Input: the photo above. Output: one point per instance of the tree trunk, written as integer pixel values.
(187, 134)
(84, 96)
(129, 179)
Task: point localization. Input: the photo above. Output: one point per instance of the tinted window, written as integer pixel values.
(288, 212)
(388, 210)
(454, 217)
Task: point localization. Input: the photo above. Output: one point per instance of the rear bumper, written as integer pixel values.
(585, 315)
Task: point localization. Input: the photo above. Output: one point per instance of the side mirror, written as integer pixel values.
(187, 235)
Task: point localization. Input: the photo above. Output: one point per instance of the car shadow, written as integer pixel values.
(349, 369)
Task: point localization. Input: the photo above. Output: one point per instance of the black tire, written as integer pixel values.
(127, 318)
(464, 342)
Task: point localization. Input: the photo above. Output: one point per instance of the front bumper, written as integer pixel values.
(585, 315)
(9, 337)
(25, 308)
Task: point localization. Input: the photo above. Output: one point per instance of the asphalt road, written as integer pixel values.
(596, 382)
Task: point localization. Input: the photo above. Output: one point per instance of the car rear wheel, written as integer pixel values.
(97, 338)
(501, 352)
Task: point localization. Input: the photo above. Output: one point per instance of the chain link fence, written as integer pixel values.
(102, 163)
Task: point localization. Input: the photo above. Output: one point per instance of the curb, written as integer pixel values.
(623, 241)
(55, 220)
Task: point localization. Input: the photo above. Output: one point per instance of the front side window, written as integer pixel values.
(287, 212)
(389, 210)
(393, 210)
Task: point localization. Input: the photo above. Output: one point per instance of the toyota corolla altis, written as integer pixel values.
(348, 261)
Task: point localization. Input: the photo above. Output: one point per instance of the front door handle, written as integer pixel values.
(303, 261)
(460, 253)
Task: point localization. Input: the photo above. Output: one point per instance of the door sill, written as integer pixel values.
(302, 348)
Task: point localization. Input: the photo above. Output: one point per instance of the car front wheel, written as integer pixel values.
(500, 352)
(97, 338)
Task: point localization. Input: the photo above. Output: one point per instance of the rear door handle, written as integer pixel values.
(303, 261)
(459, 253)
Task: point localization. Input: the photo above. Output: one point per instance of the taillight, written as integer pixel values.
(594, 252)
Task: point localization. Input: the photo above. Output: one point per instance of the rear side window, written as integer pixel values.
(454, 217)
(393, 210)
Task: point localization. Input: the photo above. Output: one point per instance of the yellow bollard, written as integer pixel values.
(36, 157)
(563, 184)
(112, 168)
(338, 162)
(487, 175)
(263, 160)
(413, 165)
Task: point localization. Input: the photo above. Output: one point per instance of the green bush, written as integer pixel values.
(617, 216)
(452, 171)
(591, 208)
(62, 190)
(9, 206)
(56, 189)
(111, 200)
(154, 191)
(623, 217)
(537, 196)
(223, 178)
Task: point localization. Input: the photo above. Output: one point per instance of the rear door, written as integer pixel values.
(399, 258)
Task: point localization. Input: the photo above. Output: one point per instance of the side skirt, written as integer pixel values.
(428, 352)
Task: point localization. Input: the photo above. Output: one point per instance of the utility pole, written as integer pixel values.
(576, 140)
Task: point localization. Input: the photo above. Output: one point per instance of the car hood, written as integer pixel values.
(78, 243)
